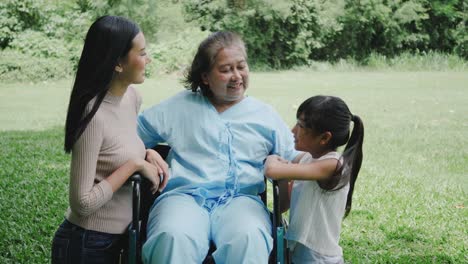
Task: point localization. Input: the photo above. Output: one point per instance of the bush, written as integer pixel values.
(375, 26)
(16, 16)
(336, 29)
(274, 37)
(38, 44)
(49, 35)
(461, 47)
(174, 55)
(143, 12)
(17, 66)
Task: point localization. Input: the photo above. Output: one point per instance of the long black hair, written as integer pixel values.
(206, 56)
(328, 113)
(108, 39)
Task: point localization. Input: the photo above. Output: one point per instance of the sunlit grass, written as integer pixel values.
(410, 199)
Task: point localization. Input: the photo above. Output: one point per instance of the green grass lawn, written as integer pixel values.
(410, 199)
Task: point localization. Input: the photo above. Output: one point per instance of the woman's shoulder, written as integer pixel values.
(172, 104)
(258, 106)
(132, 91)
(258, 103)
(134, 97)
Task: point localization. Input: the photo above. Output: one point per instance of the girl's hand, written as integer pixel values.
(154, 158)
(271, 163)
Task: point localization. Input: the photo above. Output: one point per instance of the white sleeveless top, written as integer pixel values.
(316, 214)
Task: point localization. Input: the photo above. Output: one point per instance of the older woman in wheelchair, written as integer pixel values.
(219, 139)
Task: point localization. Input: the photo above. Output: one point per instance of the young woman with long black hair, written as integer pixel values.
(100, 133)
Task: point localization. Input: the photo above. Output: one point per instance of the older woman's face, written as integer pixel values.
(229, 77)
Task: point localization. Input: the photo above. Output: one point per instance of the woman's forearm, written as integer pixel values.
(121, 175)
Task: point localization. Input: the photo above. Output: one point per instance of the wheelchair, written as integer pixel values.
(143, 199)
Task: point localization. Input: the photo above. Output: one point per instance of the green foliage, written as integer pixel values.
(18, 66)
(143, 12)
(174, 55)
(377, 26)
(332, 30)
(50, 34)
(445, 16)
(44, 41)
(447, 25)
(16, 16)
(38, 44)
(273, 37)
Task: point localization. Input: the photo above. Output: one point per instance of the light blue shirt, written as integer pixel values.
(215, 156)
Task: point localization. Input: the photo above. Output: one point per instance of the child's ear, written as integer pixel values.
(325, 138)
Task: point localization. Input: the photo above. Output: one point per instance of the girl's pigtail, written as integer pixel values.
(353, 158)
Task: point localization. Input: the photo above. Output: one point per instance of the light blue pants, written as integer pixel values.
(180, 230)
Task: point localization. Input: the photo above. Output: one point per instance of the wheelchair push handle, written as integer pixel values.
(136, 177)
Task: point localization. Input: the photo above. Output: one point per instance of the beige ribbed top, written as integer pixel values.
(107, 143)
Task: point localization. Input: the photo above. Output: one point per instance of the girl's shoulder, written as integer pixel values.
(307, 157)
(331, 155)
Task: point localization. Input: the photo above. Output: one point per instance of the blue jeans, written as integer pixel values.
(75, 245)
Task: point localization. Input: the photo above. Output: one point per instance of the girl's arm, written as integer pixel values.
(276, 168)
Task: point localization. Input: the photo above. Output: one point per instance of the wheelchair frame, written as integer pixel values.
(139, 220)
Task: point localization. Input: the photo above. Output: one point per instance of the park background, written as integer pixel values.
(401, 65)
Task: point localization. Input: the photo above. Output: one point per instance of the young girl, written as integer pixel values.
(322, 183)
(100, 132)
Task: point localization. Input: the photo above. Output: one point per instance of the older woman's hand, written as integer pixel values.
(154, 158)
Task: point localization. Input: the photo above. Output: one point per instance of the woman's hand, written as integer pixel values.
(154, 158)
(151, 172)
(271, 164)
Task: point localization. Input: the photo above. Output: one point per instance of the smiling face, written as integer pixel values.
(228, 78)
(306, 139)
(132, 67)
